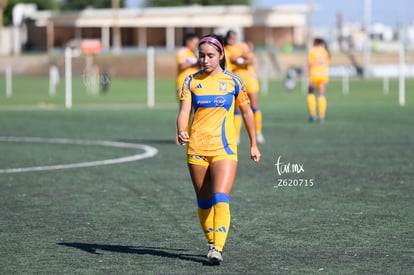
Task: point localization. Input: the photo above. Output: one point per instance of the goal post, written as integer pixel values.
(150, 77)
(9, 81)
(68, 78)
(401, 77)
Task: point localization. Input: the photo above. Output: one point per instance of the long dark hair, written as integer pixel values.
(228, 34)
(217, 42)
(322, 42)
(188, 37)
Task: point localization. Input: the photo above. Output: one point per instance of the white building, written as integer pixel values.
(165, 26)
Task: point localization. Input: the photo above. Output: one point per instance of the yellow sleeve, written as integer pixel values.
(180, 56)
(185, 91)
(242, 98)
(311, 57)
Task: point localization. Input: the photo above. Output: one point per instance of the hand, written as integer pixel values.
(194, 61)
(240, 60)
(255, 154)
(183, 137)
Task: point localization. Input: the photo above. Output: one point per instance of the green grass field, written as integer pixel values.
(140, 217)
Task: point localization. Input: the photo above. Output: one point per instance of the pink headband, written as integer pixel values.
(213, 41)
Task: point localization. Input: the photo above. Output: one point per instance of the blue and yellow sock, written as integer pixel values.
(206, 217)
(321, 106)
(311, 101)
(257, 119)
(221, 219)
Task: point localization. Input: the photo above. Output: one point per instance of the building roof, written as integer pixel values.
(194, 16)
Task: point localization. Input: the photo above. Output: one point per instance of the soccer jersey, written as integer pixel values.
(318, 59)
(235, 51)
(185, 56)
(213, 99)
(252, 84)
(245, 71)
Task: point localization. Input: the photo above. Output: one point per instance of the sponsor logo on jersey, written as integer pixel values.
(219, 101)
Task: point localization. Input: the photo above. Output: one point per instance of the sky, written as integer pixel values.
(387, 12)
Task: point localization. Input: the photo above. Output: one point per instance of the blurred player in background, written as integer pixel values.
(54, 79)
(318, 66)
(212, 148)
(186, 57)
(187, 62)
(241, 58)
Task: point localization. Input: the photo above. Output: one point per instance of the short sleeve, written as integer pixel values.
(185, 91)
(242, 98)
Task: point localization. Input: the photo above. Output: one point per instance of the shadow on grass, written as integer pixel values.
(154, 251)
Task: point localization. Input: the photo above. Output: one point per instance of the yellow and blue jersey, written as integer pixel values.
(213, 100)
(245, 71)
(318, 59)
(235, 51)
(185, 56)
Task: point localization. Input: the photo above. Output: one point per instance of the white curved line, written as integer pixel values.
(148, 153)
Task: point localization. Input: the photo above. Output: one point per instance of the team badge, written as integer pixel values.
(223, 86)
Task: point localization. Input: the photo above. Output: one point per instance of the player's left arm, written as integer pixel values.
(248, 119)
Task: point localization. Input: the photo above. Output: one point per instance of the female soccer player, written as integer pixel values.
(186, 57)
(211, 142)
(318, 62)
(241, 58)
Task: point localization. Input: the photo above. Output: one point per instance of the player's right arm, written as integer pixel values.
(182, 121)
(184, 112)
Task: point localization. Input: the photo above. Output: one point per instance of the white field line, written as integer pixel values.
(148, 153)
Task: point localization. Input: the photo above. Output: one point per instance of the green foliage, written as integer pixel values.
(166, 3)
(53, 5)
(67, 5)
(82, 4)
(41, 5)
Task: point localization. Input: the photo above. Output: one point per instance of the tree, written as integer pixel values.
(41, 5)
(166, 3)
(3, 4)
(82, 4)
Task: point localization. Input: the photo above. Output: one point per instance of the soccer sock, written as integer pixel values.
(258, 119)
(206, 217)
(321, 106)
(238, 122)
(311, 100)
(221, 219)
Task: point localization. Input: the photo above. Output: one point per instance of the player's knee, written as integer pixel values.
(255, 109)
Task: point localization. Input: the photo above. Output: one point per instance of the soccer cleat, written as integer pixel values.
(313, 118)
(210, 250)
(215, 257)
(260, 138)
